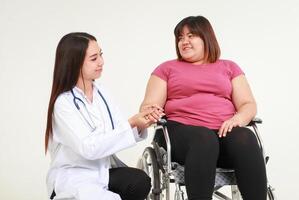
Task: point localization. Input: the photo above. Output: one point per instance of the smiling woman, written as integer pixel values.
(85, 130)
(207, 102)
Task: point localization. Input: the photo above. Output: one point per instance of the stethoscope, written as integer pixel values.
(90, 122)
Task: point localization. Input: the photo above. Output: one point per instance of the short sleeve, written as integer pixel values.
(234, 70)
(162, 71)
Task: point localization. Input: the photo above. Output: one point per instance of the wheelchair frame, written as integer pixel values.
(156, 162)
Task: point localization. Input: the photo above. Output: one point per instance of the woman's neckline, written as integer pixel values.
(197, 65)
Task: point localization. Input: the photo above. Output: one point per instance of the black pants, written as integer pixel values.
(200, 150)
(129, 183)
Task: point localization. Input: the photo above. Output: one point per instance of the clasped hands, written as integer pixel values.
(153, 113)
(147, 116)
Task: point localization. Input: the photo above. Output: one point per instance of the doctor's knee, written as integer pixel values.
(140, 186)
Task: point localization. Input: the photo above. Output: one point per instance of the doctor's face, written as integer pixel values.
(93, 62)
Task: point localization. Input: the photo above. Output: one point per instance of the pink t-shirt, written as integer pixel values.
(199, 95)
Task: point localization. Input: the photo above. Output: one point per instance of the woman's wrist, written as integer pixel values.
(242, 119)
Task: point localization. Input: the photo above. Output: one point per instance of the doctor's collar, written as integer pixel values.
(77, 89)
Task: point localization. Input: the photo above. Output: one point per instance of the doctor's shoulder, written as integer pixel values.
(64, 102)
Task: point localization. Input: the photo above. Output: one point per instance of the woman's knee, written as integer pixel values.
(242, 136)
(242, 143)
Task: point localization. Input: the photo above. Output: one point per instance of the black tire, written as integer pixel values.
(150, 166)
(270, 193)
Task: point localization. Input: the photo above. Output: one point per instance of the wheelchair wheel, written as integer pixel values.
(270, 193)
(150, 166)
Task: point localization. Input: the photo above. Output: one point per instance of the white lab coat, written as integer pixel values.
(80, 158)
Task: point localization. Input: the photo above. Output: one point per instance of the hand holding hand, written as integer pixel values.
(156, 114)
(141, 121)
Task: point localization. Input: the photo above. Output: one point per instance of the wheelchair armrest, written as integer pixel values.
(162, 122)
(254, 121)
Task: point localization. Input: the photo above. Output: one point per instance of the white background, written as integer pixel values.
(136, 36)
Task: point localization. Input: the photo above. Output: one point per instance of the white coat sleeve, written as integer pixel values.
(139, 136)
(118, 119)
(71, 130)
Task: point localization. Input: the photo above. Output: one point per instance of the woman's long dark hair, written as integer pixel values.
(70, 54)
(200, 26)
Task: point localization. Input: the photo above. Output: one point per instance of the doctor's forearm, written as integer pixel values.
(102, 145)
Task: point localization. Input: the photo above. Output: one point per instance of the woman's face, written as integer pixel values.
(93, 62)
(191, 47)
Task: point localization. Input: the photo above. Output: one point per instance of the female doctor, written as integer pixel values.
(85, 130)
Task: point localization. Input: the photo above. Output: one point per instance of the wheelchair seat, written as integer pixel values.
(223, 176)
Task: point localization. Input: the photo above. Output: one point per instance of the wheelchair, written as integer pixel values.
(156, 162)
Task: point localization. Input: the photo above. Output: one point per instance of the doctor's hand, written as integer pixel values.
(140, 120)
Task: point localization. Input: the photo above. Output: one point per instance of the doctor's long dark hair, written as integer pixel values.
(70, 54)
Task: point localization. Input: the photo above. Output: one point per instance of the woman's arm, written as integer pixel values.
(156, 92)
(243, 100)
(245, 105)
(155, 97)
